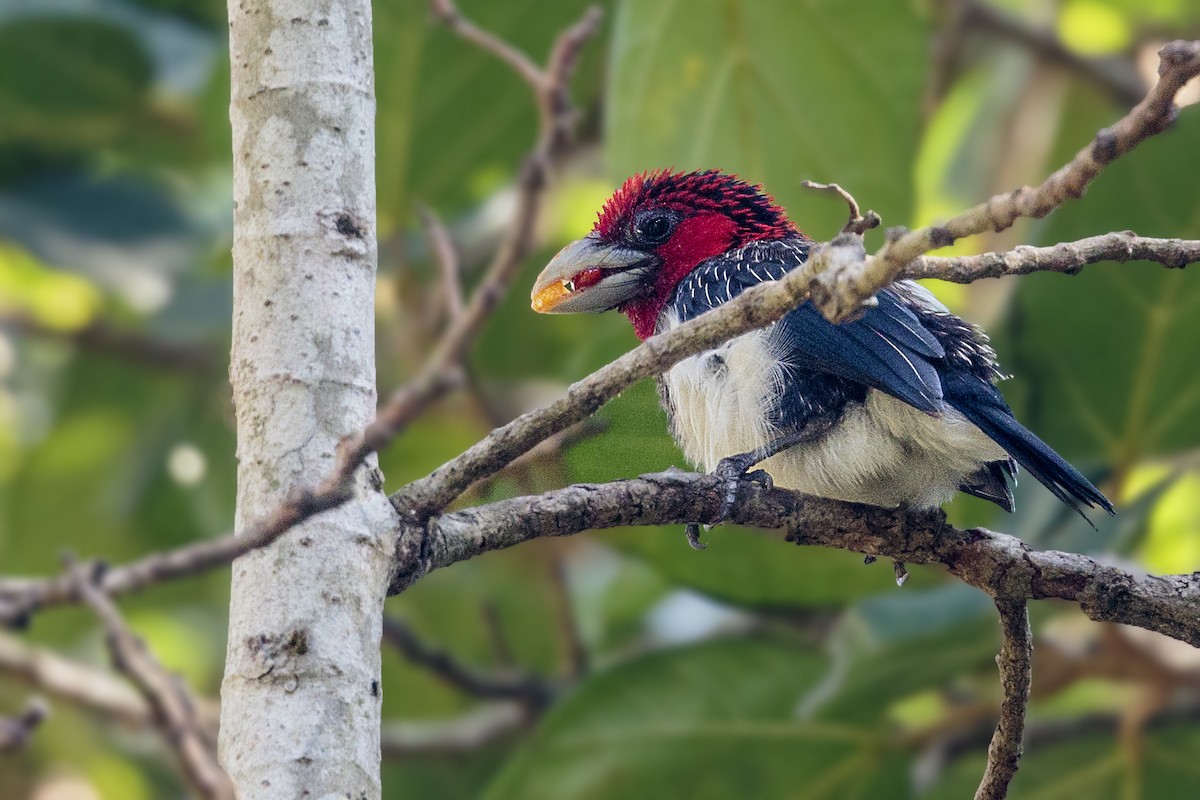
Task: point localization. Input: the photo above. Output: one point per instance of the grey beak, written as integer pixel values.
(589, 275)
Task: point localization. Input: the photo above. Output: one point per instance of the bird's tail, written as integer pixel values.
(984, 406)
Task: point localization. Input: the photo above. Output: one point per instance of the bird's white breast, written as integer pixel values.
(882, 451)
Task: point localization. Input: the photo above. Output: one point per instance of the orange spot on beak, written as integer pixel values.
(549, 296)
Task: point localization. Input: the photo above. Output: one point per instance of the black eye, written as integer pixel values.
(653, 227)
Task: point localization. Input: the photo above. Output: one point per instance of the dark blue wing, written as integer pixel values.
(904, 346)
(887, 348)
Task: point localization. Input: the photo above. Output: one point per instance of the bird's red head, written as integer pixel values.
(650, 234)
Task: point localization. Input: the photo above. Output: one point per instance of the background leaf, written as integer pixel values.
(712, 721)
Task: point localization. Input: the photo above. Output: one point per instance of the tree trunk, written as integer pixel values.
(301, 696)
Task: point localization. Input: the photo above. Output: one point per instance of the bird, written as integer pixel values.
(897, 407)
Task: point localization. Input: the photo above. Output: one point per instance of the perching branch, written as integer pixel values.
(174, 709)
(1001, 565)
(1016, 665)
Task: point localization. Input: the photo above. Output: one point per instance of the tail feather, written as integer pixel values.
(984, 406)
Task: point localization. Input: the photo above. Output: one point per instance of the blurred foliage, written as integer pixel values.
(751, 669)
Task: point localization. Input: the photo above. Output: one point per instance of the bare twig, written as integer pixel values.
(103, 339)
(1067, 257)
(85, 686)
(557, 120)
(564, 611)
(1001, 565)
(174, 709)
(448, 14)
(1116, 77)
(16, 731)
(1016, 664)
(947, 46)
(449, 265)
(463, 734)
(529, 689)
(857, 223)
(19, 598)
(1179, 63)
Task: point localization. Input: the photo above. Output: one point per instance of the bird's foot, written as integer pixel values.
(733, 471)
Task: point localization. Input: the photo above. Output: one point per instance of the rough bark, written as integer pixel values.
(300, 713)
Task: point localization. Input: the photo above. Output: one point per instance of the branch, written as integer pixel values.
(103, 339)
(1179, 63)
(557, 121)
(529, 689)
(1117, 78)
(1001, 565)
(174, 709)
(464, 734)
(446, 255)
(19, 598)
(1016, 664)
(84, 686)
(1067, 257)
(15, 732)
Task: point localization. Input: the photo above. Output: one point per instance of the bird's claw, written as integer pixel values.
(733, 471)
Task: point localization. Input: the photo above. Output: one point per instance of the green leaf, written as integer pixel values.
(70, 81)
(887, 648)
(453, 121)
(1105, 358)
(775, 91)
(1092, 766)
(713, 721)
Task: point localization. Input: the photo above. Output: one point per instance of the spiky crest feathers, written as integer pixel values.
(754, 212)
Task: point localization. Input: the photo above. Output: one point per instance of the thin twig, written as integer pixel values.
(1067, 257)
(448, 14)
(1179, 63)
(19, 598)
(1016, 667)
(564, 611)
(103, 339)
(15, 732)
(1116, 77)
(174, 709)
(857, 223)
(527, 688)
(449, 264)
(947, 46)
(85, 686)
(557, 120)
(463, 734)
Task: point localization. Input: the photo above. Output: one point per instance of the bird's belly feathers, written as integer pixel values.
(882, 451)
